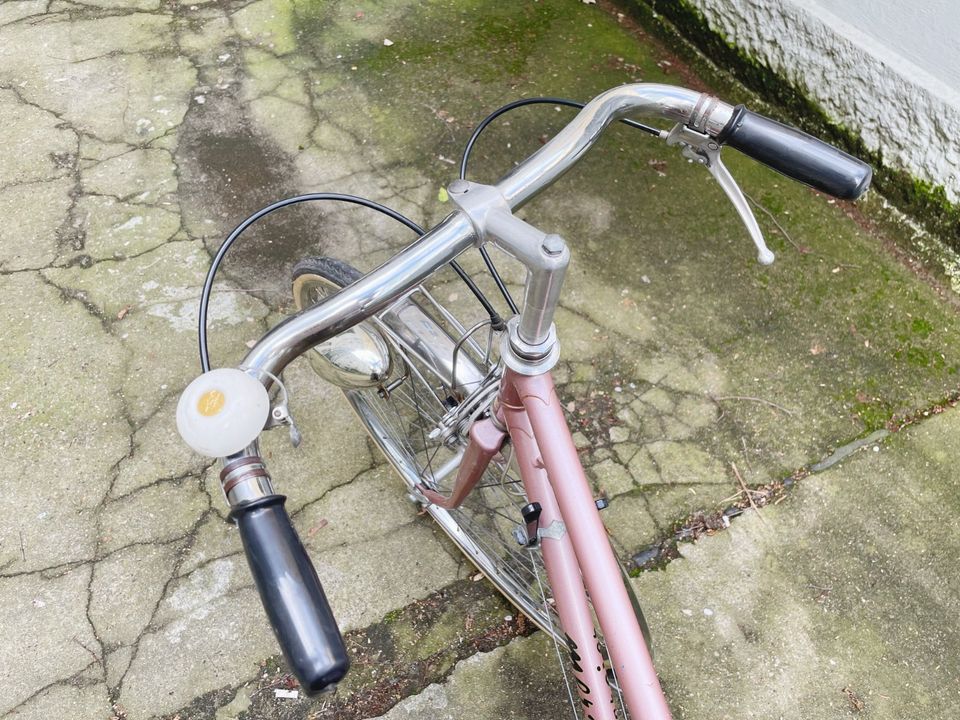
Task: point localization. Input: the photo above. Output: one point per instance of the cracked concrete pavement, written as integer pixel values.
(136, 134)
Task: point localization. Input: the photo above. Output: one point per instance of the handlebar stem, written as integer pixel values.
(546, 258)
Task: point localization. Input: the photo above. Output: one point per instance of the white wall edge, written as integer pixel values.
(911, 117)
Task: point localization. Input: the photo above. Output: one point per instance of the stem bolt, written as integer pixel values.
(552, 245)
(458, 187)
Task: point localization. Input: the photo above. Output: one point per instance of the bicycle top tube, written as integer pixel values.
(455, 234)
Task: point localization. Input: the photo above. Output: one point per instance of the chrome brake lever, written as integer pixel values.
(280, 414)
(705, 150)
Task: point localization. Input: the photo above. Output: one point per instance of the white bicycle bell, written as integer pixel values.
(222, 411)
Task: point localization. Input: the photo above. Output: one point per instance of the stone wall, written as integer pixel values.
(860, 75)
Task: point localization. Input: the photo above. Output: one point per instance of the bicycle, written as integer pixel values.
(473, 426)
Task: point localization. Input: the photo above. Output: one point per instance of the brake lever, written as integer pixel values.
(704, 150)
(280, 414)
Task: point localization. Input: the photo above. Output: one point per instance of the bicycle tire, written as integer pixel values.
(399, 423)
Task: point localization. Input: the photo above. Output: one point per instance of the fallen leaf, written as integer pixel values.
(123, 312)
(856, 704)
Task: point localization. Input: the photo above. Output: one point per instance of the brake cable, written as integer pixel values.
(495, 318)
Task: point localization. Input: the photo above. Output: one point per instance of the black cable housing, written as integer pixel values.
(495, 318)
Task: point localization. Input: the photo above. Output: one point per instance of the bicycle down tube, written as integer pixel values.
(576, 551)
(632, 665)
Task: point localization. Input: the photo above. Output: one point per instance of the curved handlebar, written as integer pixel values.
(446, 241)
(381, 287)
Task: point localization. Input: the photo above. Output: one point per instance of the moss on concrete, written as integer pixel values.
(409, 649)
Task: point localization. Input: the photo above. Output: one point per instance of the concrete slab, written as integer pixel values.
(839, 601)
(144, 131)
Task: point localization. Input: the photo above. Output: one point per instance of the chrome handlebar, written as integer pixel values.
(455, 234)
(699, 111)
(298, 610)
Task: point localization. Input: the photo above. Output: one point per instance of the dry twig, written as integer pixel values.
(746, 491)
(798, 248)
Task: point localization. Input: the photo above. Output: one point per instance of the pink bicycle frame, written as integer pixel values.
(573, 540)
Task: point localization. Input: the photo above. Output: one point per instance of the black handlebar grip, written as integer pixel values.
(796, 154)
(291, 594)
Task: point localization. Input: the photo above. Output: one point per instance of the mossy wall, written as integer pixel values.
(688, 33)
